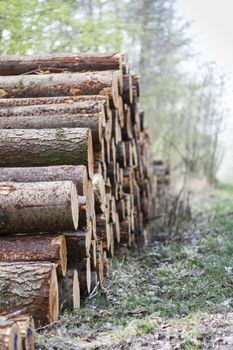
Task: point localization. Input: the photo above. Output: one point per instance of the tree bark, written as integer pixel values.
(46, 147)
(35, 248)
(38, 207)
(87, 99)
(48, 109)
(65, 84)
(69, 292)
(57, 121)
(75, 173)
(30, 286)
(10, 338)
(57, 63)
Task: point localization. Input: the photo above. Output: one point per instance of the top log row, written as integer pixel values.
(58, 63)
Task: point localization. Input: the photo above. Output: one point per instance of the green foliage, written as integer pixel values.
(184, 110)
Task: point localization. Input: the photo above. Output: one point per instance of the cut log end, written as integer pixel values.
(76, 291)
(74, 206)
(63, 255)
(10, 338)
(53, 297)
(90, 160)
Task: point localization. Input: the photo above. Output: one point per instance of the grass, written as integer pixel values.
(176, 280)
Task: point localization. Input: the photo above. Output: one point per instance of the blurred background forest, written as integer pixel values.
(182, 96)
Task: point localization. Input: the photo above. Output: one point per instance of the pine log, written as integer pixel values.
(26, 327)
(46, 147)
(116, 229)
(30, 286)
(69, 291)
(38, 207)
(85, 213)
(120, 208)
(99, 193)
(121, 154)
(111, 249)
(112, 209)
(35, 248)
(94, 280)
(84, 275)
(127, 133)
(127, 89)
(136, 83)
(120, 110)
(100, 263)
(10, 338)
(125, 229)
(106, 262)
(108, 130)
(78, 245)
(48, 109)
(129, 153)
(116, 128)
(93, 255)
(102, 230)
(128, 180)
(57, 63)
(75, 173)
(64, 84)
(87, 99)
(57, 121)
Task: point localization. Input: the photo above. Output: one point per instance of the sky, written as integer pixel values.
(212, 32)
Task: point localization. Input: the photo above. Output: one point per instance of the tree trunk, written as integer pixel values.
(69, 292)
(57, 121)
(10, 338)
(46, 147)
(57, 63)
(64, 84)
(75, 173)
(38, 207)
(35, 248)
(30, 286)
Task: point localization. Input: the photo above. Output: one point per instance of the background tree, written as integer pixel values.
(184, 106)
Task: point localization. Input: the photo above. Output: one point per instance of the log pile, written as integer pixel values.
(75, 177)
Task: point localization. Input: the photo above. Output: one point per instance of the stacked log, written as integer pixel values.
(17, 331)
(75, 176)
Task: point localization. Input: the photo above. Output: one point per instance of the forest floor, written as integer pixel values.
(177, 294)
